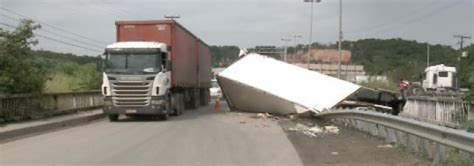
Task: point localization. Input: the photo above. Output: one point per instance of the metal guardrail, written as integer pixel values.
(446, 111)
(30, 106)
(417, 136)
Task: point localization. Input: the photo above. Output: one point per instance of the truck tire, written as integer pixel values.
(175, 104)
(205, 97)
(415, 90)
(182, 106)
(165, 116)
(196, 99)
(168, 109)
(113, 117)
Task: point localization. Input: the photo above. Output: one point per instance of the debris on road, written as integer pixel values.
(309, 131)
(387, 146)
(262, 115)
(299, 127)
(335, 153)
(291, 117)
(242, 122)
(331, 129)
(315, 129)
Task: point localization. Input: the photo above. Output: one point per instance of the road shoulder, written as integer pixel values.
(347, 147)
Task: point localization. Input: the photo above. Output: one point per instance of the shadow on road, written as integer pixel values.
(187, 115)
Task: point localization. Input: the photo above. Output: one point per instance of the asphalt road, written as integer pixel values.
(198, 137)
(202, 137)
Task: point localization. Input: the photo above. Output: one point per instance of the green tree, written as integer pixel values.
(19, 71)
(87, 77)
(227, 54)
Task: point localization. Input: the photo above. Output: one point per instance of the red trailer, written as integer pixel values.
(190, 56)
(188, 69)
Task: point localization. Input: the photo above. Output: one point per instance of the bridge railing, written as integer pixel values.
(445, 111)
(442, 145)
(30, 106)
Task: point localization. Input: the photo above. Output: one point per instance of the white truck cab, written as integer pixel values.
(439, 78)
(136, 79)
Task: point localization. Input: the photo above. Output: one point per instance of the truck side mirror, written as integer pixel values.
(164, 61)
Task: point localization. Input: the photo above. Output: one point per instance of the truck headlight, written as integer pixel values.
(157, 102)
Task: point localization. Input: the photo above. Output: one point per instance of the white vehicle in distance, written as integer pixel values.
(216, 92)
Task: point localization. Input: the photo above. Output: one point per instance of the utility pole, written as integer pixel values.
(340, 40)
(427, 55)
(286, 49)
(296, 44)
(461, 43)
(311, 31)
(294, 40)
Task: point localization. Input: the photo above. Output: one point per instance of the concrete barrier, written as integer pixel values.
(31, 106)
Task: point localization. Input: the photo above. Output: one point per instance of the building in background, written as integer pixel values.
(321, 56)
(325, 61)
(348, 72)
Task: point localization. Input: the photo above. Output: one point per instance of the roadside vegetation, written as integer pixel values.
(223, 56)
(23, 70)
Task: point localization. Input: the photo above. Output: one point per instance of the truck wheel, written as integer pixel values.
(113, 117)
(196, 99)
(174, 105)
(165, 116)
(181, 103)
(415, 90)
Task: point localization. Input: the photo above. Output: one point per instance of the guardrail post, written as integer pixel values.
(373, 129)
(470, 112)
(391, 138)
(2, 111)
(55, 102)
(382, 131)
(465, 158)
(74, 101)
(413, 143)
(401, 139)
(91, 99)
(440, 156)
(426, 148)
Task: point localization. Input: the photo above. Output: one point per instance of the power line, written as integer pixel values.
(55, 40)
(461, 38)
(394, 24)
(54, 33)
(422, 17)
(379, 25)
(52, 26)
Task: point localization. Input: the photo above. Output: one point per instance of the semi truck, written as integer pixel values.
(436, 80)
(156, 68)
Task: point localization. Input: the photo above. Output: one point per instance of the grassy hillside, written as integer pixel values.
(397, 58)
(68, 72)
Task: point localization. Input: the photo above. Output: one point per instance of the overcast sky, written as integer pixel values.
(247, 23)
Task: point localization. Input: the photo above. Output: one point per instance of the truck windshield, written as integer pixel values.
(132, 63)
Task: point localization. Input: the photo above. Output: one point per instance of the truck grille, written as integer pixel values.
(131, 94)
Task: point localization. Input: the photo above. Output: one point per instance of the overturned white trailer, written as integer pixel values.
(258, 83)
